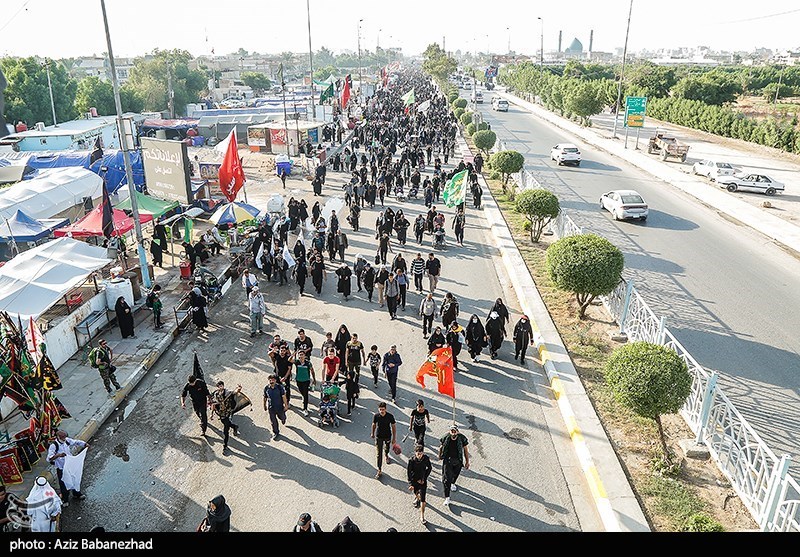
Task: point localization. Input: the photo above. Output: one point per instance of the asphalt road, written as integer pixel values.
(729, 295)
(150, 470)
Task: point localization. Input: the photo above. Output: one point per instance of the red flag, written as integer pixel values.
(440, 365)
(231, 174)
(346, 91)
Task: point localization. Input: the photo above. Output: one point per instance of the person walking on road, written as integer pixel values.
(305, 524)
(344, 284)
(418, 470)
(449, 309)
(523, 337)
(475, 336)
(100, 358)
(218, 516)
(248, 282)
(502, 312)
(354, 356)
(458, 226)
(304, 378)
(392, 293)
(380, 281)
(275, 403)
(427, 310)
(496, 333)
(384, 432)
(434, 268)
(374, 359)
(197, 390)
(419, 417)
(257, 310)
(436, 340)
(454, 454)
(223, 406)
(56, 454)
(391, 367)
(418, 271)
(455, 340)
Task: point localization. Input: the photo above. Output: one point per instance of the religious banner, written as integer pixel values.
(277, 137)
(10, 471)
(439, 364)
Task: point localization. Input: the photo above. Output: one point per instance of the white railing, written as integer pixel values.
(759, 477)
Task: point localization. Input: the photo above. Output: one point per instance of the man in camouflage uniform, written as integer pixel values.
(100, 358)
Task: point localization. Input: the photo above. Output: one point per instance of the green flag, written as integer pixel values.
(188, 227)
(409, 98)
(456, 189)
(326, 94)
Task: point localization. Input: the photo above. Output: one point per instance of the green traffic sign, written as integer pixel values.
(636, 105)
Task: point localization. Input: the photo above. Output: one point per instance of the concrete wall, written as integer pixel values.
(60, 339)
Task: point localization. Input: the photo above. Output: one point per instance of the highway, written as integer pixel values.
(729, 295)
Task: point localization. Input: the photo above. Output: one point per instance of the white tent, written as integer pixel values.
(52, 192)
(36, 279)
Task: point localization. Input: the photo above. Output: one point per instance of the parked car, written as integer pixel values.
(624, 204)
(713, 169)
(566, 153)
(759, 183)
(501, 105)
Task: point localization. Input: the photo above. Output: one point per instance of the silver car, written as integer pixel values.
(624, 204)
(713, 169)
(759, 183)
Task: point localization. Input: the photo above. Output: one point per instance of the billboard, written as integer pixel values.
(257, 137)
(166, 169)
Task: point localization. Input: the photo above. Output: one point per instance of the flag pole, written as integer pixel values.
(13, 244)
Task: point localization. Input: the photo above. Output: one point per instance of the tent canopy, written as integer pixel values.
(36, 279)
(50, 193)
(92, 224)
(26, 229)
(149, 205)
(234, 213)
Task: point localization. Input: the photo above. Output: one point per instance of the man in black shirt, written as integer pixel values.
(434, 268)
(274, 346)
(283, 368)
(384, 431)
(303, 344)
(198, 392)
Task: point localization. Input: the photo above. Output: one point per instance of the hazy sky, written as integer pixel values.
(65, 28)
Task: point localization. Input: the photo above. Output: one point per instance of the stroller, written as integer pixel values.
(329, 400)
(208, 283)
(438, 238)
(413, 192)
(398, 192)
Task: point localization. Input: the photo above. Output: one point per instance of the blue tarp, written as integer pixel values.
(27, 229)
(112, 160)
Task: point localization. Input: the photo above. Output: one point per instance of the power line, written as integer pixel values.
(760, 17)
(7, 23)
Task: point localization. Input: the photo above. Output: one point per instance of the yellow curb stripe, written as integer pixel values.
(595, 485)
(558, 389)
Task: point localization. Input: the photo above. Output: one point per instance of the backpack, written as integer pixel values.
(93, 358)
(148, 302)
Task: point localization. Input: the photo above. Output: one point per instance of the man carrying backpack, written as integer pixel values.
(100, 358)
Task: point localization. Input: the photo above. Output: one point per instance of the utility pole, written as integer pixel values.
(509, 39)
(617, 106)
(359, 54)
(123, 138)
(50, 87)
(541, 45)
(777, 91)
(311, 63)
(170, 92)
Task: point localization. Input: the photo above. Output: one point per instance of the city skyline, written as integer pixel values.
(37, 27)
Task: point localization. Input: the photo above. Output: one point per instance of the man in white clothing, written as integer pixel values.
(257, 310)
(56, 454)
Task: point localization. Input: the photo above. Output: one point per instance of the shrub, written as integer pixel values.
(485, 140)
(585, 264)
(460, 103)
(539, 207)
(451, 96)
(700, 522)
(483, 126)
(458, 112)
(495, 175)
(466, 118)
(650, 380)
(505, 162)
(471, 129)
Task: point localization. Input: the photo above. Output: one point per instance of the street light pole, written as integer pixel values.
(509, 39)
(50, 87)
(541, 45)
(359, 54)
(622, 73)
(123, 138)
(311, 63)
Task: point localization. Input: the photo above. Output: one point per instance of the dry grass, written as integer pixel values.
(667, 503)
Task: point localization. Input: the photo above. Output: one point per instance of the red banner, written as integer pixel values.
(231, 174)
(277, 137)
(440, 365)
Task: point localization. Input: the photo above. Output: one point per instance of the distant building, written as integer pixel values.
(574, 50)
(73, 135)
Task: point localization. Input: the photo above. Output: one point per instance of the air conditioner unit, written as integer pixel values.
(39, 127)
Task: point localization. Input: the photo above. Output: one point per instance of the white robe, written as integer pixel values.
(44, 505)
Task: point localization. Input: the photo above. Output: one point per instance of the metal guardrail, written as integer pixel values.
(758, 476)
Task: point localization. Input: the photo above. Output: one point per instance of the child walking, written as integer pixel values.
(374, 359)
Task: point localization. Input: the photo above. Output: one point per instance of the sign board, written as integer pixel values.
(166, 169)
(257, 137)
(210, 171)
(635, 108)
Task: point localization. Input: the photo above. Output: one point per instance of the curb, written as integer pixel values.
(769, 225)
(622, 512)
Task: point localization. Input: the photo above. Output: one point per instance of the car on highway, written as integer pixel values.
(713, 169)
(477, 96)
(759, 183)
(624, 204)
(467, 85)
(500, 105)
(566, 153)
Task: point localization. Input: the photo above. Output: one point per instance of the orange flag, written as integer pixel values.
(440, 365)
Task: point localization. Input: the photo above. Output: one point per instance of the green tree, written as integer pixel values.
(130, 99)
(466, 118)
(149, 76)
(452, 96)
(458, 112)
(437, 63)
(540, 207)
(94, 92)
(324, 73)
(649, 379)
(459, 103)
(506, 162)
(586, 265)
(471, 129)
(649, 79)
(584, 99)
(324, 57)
(27, 94)
(256, 81)
(484, 140)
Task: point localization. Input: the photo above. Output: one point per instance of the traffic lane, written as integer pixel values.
(712, 293)
(328, 472)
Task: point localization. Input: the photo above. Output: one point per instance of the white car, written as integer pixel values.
(759, 183)
(566, 153)
(500, 105)
(477, 97)
(467, 85)
(713, 169)
(624, 204)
